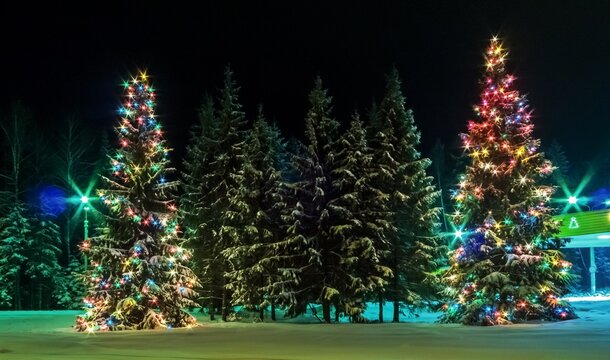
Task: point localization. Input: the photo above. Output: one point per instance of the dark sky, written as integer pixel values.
(66, 59)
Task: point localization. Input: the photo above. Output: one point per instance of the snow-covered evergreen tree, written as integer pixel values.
(138, 276)
(310, 251)
(199, 218)
(260, 201)
(359, 223)
(214, 171)
(15, 236)
(411, 198)
(43, 260)
(68, 286)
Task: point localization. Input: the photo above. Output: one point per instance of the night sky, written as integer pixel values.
(71, 60)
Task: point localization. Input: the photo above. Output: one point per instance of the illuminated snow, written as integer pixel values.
(47, 335)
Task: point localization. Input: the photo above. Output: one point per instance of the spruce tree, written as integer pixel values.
(228, 165)
(359, 223)
(138, 276)
(68, 286)
(15, 236)
(310, 252)
(200, 220)
(217, 211)
(260, 200)
(411, 199)
(508, 266)
(43, 260)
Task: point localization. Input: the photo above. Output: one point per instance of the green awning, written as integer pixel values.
(585, 229)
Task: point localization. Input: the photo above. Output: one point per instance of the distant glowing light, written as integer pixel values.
(84, 199)
(572, 200)
(458, 234)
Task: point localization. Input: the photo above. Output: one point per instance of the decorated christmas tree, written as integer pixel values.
(508, 266)
(138, 277)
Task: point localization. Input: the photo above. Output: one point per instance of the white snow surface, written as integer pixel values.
(48, 335)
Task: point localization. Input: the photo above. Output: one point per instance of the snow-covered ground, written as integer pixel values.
(47, 335)
(600, 295)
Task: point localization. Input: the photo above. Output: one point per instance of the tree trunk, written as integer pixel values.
(336, 314)
(261, 313)
(67, 240)
(225, 305)
(31, 305)
(40, 295)
(273, 311)
(212, 307)
(396, 311)
(326, 311)
(17, 300)
(395, 287)
(380, 308)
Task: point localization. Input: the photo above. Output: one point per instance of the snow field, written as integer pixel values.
(47, 335)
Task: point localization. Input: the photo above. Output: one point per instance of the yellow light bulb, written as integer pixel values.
(520, 151)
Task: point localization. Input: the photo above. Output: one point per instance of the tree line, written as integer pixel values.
(339, 219)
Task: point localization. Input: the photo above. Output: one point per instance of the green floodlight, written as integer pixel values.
(455, 235)
(85, 200)
(573, 198)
